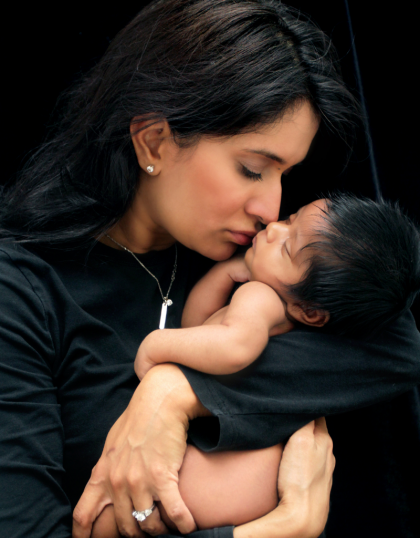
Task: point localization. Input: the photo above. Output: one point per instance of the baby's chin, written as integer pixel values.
(249, 255)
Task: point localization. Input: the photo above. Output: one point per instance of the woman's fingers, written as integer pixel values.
(320, 424)
(142, 456)
(305, 474)
(165, 489)
(176, 509)
(153, 523)
(323, 437)
(105, 526)
(127, 524)
(90, 506)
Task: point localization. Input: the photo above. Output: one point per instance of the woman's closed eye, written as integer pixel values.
(250, 174)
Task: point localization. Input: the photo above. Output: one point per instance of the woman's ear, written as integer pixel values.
(150, 142)
(315, 317)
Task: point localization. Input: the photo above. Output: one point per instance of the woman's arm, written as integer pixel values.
(304, 485)
(242, 489)
(142, 457)
(32, 498)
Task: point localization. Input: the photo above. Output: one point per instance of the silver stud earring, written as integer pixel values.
(150, 169)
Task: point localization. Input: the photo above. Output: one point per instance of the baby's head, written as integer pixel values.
(351, 262)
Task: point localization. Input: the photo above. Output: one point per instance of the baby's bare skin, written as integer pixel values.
(222, 488)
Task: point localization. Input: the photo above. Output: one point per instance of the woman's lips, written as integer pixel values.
(242, 238)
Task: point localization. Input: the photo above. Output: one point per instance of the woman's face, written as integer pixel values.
(217, 195)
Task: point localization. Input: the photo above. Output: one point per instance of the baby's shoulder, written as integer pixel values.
(258, 293)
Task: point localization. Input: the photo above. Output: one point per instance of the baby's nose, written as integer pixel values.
(277, 231)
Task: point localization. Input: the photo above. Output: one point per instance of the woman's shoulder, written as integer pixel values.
(24, 266)
(29, 286)
(29, 317)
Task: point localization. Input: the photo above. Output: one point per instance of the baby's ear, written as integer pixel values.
(315, 317)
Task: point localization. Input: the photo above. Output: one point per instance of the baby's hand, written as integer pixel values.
(237, 270)
(143, 362)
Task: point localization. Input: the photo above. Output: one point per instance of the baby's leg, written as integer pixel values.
(221, 488)
(229, 488)
(105, 525)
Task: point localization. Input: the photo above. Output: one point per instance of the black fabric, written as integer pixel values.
(301, 375)
(375, 491)
(68, 338)
(70, 325)
(221, 532)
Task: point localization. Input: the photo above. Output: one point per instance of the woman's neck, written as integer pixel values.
(137, 231)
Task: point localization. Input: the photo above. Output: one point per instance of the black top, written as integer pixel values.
(70, 326)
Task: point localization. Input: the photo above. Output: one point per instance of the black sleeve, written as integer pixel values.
(219, 532)
(32, 501)
(302, 375)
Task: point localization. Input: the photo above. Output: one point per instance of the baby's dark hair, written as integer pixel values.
(364, 268)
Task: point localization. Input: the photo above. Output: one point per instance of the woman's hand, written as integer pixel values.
(142, 456)
(144, 362)
(304, 484)
(305, 474)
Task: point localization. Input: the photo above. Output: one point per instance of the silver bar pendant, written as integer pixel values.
(163, 313)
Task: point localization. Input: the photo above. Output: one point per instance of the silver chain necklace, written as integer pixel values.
(166, 301)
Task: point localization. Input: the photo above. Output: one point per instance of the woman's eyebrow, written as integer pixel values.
(267, 154)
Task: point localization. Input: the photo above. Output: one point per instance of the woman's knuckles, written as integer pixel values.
(302, 442)
(176, 512)
(130, 531)
(117, 480)
(135, 480)
(159, 474)
(98, 474)
(152, 529)
(81, 517)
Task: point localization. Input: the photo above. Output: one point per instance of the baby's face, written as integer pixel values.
(275, 257)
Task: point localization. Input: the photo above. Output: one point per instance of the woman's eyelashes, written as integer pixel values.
(250, 174)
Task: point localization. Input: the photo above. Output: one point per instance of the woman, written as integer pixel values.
(181, 133)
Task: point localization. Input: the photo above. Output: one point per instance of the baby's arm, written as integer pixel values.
(255, 313)
(212, 292)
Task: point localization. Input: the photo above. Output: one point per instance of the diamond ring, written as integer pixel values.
(141, 516)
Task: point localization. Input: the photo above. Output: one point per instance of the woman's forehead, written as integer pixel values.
(285, 140)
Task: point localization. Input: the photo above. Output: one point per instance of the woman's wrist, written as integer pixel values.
(286, 521)
(165, 388)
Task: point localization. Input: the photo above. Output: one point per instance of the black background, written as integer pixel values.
(45, 49)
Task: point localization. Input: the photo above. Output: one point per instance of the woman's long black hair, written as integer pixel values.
(209, 67)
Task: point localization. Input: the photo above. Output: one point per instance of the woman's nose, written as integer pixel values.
(266, 205)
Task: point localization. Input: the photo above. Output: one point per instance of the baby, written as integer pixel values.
(348, 264)
(351, 265)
